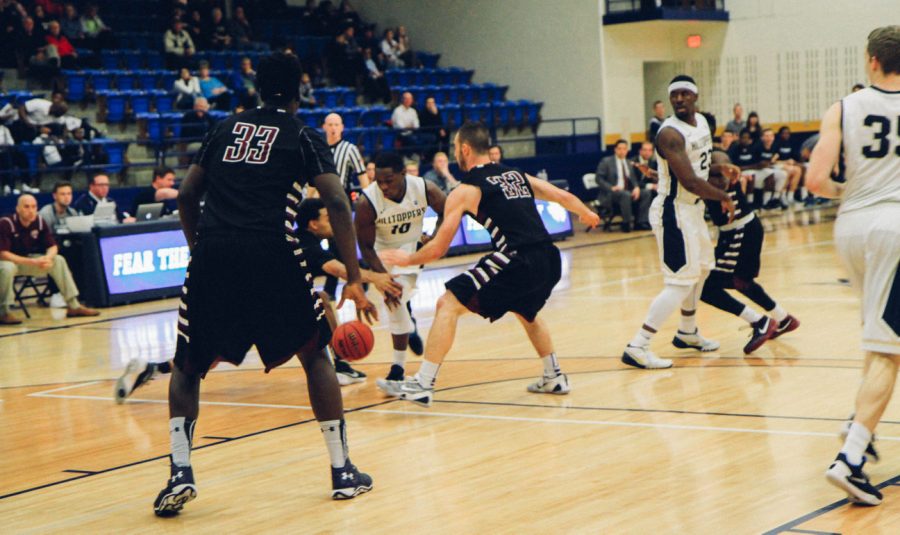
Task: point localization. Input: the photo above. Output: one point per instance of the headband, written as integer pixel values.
(683, 84)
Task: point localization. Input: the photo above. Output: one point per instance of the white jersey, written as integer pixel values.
(698, 144)
(871, 148)
(398, 225)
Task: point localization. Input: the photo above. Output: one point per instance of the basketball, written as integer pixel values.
(353, 340)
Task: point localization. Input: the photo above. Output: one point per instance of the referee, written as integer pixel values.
(349, 163)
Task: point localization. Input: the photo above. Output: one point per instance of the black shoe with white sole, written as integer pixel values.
(852, 480)
(179, 490)
(348, 482)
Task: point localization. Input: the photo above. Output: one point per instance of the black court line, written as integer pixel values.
(218, 438)
(792, 525)
(82, 324)
(813, 532)
(88, 472)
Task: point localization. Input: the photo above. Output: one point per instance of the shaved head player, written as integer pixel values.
(247, 283)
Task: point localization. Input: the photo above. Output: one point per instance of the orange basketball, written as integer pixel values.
(353, 340)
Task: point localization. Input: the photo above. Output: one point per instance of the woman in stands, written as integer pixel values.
(187, 88)
(754, 127)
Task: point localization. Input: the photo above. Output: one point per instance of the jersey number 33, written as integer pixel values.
(252, 145)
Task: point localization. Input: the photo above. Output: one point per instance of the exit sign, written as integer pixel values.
(694, 41)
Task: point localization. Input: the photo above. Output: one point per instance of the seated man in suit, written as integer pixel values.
(619, 186)
(646, 165)
(98, 193)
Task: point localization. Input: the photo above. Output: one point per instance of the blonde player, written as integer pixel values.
(684, 144)
(863, 128)
(390, 214)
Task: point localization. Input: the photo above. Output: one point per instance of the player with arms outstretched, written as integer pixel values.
(684, 146)
(517, 277)
(247, 284)
(390, 214)
(862, 132)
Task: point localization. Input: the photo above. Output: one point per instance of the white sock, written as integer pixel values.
(551, 366)
(181, 434)
(803, 193)
(669, 299)
(688, 324)
(335, 434)
(779, 313)
(427, 374)
(642, 338)
(750, 316)
(400, 357)
(857, 440)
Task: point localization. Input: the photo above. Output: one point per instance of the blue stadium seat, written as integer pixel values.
(101, 80)
(351, 116)
(150, 124)
(375, 115)
(428, 60)
(134, 59)
(110, 59)
(387, 138)
(76, 85)
(452, 114)
(164, 101)
(125, 80)
(147, 79)
(115, 106)
(32, 155)
(468, 93)
(116, 151)
(154, 60)
(533, 111)
(140, 101)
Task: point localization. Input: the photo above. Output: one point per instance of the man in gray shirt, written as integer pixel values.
(55, 213)
(738, 123)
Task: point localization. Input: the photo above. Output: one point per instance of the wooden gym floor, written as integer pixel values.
(722, 443)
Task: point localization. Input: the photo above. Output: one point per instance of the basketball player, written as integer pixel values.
(313, 226)
(247, 283)
(737, 255)
(390, 214)
(684, 146)
(862, 130)
(517, 277)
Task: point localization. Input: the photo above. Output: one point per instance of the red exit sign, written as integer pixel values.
(694, 41)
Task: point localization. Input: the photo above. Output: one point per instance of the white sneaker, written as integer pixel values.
(411, 390)
(57, 301)
(693, 340)
(642, 357)
(28, 189)
(558, 385)
(136, 374)
(389, 387)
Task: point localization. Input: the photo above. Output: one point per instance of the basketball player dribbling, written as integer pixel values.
(684, 145)
(863, 130)
(517, 277)
(390, 214)
(247, 283)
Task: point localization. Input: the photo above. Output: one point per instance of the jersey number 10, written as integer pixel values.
(242, 151)
(882, 144)
(402, 228)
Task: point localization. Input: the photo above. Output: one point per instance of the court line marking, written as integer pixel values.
(166, 402)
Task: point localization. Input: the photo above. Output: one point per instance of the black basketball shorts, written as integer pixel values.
(519, 282)
(244, 290)
(738, 253)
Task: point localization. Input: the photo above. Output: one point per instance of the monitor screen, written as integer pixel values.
(138, 262)
(431, 219)
(556, 218)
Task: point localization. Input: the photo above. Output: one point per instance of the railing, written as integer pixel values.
(633, 6)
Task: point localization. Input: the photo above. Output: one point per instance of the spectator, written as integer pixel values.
(375, 86)
(370, 171)
(35, 113)
(432, 125)
(390, 49)
(747, 155)
(737, 124)
(790, 159)
(186, 88)
(41, 19)
(647, 167)
(11, 15)
(51, 140)
(55, 213)
(71, 25)
(97, 34)
(27, 247)
(213, 90)
(218, 32)
(68, 57)
(162, 189)
(404, 49)
(753, 126)
(659, 115)
(194, 125)
(241, 31)
(347, 160)
(195, 27)
(769, 152)
(179, 46)
(11, 161)
(412, 167)
(307, 93)
(495, 153)
(98, 193)
(245, 83)
(405, 120)
(727, 139)
(440, 174)
(618, 185)
(32, 57)
(51, 7)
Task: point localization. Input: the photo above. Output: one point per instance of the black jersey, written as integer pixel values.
(315, 256)
(744, 155)
(742, 206)
(785, 150)
(767, 154)
(256, 164)
(507, 208)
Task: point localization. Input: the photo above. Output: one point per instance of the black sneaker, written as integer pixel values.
(852, 480)
(390, 385)
(763, 330)
(785, 326)
(347, 375)
(179, 490)
(415, 343)
(349, 482)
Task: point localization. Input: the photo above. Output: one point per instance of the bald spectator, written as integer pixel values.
(405, 120)
(440, 173)
(27, 248)
(65, 51)
(194, 125)
(55, 213)
(495, 153)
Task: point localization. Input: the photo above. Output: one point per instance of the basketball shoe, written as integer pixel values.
(871, 452)
(390, 385)
(763, 330)
(642, 357)
(411, 390)
(137, 373)
(556, 385)
(348, 482)
(346, 374)
(852, 480)
(179, 490)
(693, 340)
(786, 325)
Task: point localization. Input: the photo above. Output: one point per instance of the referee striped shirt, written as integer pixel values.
(348, 162)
